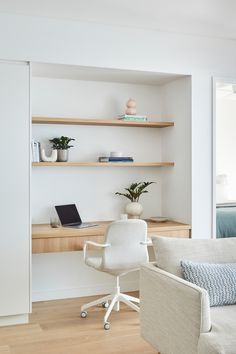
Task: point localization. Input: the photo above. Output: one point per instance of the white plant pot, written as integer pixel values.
(134, 210)
(62, 155)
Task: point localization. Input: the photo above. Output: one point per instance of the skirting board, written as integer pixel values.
(14, 320)
(57, 294)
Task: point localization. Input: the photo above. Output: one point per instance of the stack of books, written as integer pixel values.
(35, 148)
(128, 117)
(115, 159)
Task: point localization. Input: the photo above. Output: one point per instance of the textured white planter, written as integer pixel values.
(134, 210)
(62, 155)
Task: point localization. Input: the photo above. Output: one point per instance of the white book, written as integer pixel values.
(33, 151)
(35, 148)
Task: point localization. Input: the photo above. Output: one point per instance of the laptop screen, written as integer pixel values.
(68, 214)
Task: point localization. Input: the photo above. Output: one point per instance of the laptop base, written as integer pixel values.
(81, 226)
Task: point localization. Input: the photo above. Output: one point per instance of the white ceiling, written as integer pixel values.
(75, 72)
(214, 18)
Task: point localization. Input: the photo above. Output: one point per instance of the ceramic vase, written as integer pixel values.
(131, 107)
(134, 210)
(51, 158)
(62, 155)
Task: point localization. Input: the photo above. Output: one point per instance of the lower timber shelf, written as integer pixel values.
(46, 239)
(105, 164)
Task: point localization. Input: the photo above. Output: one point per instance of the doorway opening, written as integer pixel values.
(224, 161)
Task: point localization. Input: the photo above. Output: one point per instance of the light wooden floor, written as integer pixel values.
(56, 327)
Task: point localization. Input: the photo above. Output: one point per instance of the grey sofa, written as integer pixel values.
(175, 315)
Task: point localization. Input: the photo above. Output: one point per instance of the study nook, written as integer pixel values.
(47, 239)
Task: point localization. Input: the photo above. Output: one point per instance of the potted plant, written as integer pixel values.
(62, 146)
(134, 209)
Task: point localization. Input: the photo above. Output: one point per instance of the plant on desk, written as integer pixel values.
(62, 146)
(134, 209)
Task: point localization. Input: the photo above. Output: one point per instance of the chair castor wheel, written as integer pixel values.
(107, 325)
(83, 314)
(105, 305)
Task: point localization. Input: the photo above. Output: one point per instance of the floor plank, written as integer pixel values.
(56, 327)
(4, 349)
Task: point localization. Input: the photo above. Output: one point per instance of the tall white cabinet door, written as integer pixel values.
(14, 188)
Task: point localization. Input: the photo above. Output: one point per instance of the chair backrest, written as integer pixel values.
(126, 251)
(170, 251)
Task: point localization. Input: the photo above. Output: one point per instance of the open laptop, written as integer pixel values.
(69, 217)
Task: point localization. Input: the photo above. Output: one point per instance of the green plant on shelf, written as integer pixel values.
(61, 143)
(135, 190)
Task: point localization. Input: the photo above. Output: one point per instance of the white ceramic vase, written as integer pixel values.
(134, 210)
(50, 158)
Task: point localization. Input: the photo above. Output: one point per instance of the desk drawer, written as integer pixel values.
(171, 233)
(62, 244)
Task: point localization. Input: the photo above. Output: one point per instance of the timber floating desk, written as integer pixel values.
(46, 239)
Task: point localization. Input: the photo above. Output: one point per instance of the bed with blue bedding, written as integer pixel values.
(226, 221)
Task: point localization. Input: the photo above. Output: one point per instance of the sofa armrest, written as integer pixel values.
(173, 312)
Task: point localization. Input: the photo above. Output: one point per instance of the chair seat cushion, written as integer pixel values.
(222, 337)
(218, 279)
(94, 259)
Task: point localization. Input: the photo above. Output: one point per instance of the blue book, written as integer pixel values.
(132, 117)
(122, 158)
(115, 159)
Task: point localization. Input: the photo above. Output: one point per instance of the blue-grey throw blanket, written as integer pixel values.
(226, 222)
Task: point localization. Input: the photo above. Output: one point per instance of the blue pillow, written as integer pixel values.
(218, 279)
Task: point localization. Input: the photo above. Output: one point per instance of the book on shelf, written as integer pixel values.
(103, 159)
(115, 159)
(35, 148)
(129, 117)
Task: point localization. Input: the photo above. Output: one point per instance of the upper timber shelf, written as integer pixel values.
(101, 122)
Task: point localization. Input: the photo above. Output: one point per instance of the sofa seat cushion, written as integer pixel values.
(222, 337)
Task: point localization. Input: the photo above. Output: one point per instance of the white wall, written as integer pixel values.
(15, 250)
(226, 144)
(48, 40)
(64, 275)
(176, 182)
(92, 189)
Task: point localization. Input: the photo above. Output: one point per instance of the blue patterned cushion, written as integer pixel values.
(218, 279)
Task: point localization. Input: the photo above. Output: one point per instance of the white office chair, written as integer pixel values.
(124, 250)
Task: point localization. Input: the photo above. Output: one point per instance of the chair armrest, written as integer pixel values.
(96, 244)
(173, 312)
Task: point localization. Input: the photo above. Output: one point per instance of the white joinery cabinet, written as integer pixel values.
(14, 189)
